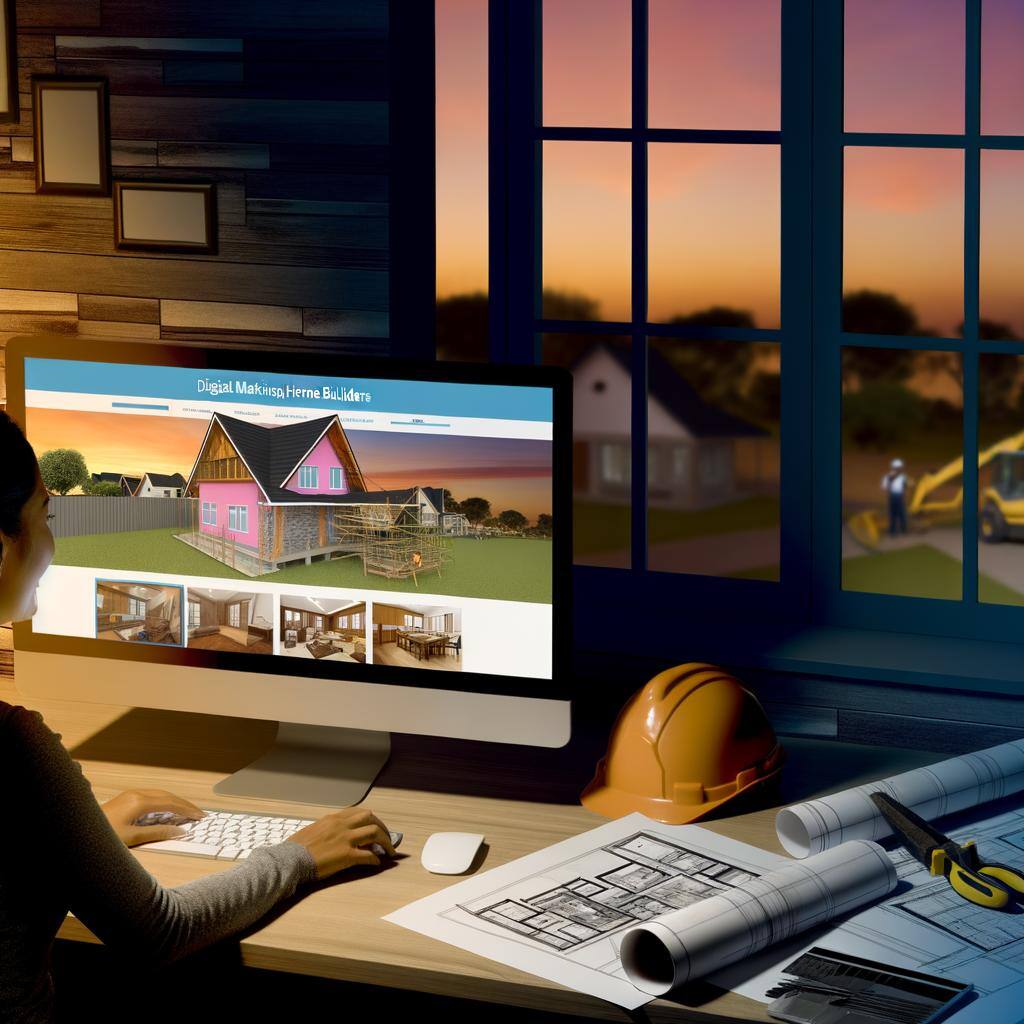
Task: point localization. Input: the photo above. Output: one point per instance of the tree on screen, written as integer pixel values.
(62, 470)
(512, 519)
(476, 510)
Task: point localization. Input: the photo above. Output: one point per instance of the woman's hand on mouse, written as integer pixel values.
(124, 810)
(340, 840)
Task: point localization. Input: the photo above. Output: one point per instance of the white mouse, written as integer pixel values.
(450, 853)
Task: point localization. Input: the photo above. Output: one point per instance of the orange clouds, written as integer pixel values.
(115, 443)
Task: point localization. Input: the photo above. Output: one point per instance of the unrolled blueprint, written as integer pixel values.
(947, 787)
(561, 913)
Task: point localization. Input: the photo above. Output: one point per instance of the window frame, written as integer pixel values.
(308, 471)
(241, 515)
(516, 325)
(332, 486)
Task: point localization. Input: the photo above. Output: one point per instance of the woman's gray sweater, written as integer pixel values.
(58, 852)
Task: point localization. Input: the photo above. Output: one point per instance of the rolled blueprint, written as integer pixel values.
(939, 789)
(687, 944)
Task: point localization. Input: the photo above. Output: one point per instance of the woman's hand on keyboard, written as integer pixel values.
(339, 840)
(124, 810)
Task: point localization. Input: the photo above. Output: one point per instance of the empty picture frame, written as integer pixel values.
(72, 145)
(165, 216)
(8, 63)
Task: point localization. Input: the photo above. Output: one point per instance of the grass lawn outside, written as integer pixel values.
(500, 568)
(919, 571)
(603, 527)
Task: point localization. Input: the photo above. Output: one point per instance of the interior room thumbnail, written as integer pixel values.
(323, 628)
(138, 612)
(228, 620)
(417, 636)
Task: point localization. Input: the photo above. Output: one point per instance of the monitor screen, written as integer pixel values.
(316, 523)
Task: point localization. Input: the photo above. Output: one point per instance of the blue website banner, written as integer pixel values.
(417, 398)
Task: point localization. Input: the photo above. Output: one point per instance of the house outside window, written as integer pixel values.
(309, 477)
(335, 481)
(238, 518)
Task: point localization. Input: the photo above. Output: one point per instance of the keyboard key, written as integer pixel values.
(229, 853)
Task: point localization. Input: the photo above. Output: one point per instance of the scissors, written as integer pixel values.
(985, 883)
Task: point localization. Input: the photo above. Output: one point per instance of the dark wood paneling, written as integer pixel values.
(183, 279)
(216, 119)
(283, 107)
(326, 19)
(58, 14)
(119, 307)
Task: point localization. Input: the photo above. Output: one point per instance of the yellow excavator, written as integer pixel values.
(1001, 515)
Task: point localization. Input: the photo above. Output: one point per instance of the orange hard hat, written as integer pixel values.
(689, 741)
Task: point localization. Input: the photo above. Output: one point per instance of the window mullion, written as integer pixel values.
(638, 460)
(972, 215)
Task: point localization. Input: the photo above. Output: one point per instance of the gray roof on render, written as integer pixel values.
(271, 453)
(113, 478)
(166, 480)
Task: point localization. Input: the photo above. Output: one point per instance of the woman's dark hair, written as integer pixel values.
(18, 479)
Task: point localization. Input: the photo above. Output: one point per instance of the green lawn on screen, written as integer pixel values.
(502, 568)
(919, 571)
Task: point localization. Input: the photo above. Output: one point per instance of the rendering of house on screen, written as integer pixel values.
(270, 495)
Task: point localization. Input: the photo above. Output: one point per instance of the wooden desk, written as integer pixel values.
(521, 803)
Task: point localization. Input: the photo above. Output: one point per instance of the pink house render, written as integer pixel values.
(324, 458)
(243, 492)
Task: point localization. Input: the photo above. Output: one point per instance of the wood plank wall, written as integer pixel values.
(283, 105)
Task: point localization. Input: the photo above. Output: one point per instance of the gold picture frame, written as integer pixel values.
(9, 106)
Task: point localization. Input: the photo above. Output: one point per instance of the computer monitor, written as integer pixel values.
(348, 547)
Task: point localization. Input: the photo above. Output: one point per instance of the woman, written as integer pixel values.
(71, 853)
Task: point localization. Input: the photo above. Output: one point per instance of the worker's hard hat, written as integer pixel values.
(685, 744)
(896, 464)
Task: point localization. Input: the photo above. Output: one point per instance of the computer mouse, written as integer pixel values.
(450, 853)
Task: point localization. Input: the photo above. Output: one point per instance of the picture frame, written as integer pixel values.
(72, 135)
(165, 216)
(9, 106)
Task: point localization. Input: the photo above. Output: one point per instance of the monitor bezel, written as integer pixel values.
(292, 361)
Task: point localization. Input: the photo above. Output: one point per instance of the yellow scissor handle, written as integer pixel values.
(968, 884)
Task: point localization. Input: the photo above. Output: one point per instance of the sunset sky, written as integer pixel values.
(714, 215)
(510, 473)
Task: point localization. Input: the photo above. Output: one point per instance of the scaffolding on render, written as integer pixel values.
(391, 541)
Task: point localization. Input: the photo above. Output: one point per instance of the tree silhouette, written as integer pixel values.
(63, 469)
(873, 312)
(512, 519)
(461, 328)
(881, 414)
(545, 524)
(716, 316)
(476, 510)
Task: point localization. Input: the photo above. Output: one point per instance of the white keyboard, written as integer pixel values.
(228, 835)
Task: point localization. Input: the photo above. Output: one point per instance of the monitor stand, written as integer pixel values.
(313, 764)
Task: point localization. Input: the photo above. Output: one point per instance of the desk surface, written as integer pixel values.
(521, 803)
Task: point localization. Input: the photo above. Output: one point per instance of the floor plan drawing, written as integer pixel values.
(561, 913)
(611, 888)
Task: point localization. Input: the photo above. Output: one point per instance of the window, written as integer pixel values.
(209, 513)
(357, 620)
(235, 615)
(336, 483)
(318, 622)
(238, 518)
(289, 615)
(99, 598)
(309, 477)
(408, 619)
(193, 614)
(736, 415)
(136, 608)
(167, 494)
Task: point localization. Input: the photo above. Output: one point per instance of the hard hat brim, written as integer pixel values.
(613, 803)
